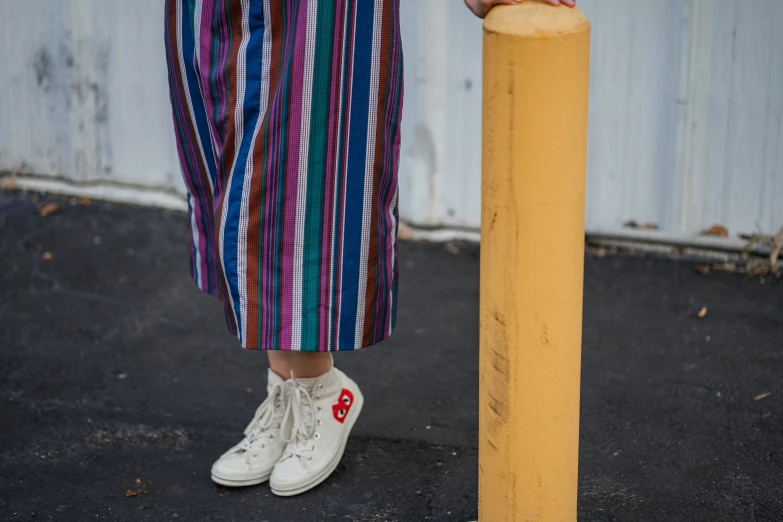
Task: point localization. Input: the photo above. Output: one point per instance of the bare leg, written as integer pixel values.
(278, 362)
(303, 364)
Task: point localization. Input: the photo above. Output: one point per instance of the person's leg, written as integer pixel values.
(278, 363)
(304, 365)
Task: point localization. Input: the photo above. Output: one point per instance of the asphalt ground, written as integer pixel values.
(118, 377)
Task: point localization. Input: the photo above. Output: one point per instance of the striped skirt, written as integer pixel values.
(287, 119)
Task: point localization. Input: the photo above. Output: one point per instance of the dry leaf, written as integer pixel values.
(701, 269)
(775, 243)
(135, 492)
(757, 269)
(716, 230)
(83, 201)
(452, 249)
(48, 209)
(175, 516)
(650, 226)
(9, 183)
(726, 267)
(762, 396)
(703, 312)
(48, 256)
(631, 224)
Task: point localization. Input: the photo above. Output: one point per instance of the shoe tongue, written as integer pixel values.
(308, 383)
(325, 379)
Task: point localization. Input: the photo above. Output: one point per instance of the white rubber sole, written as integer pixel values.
(317, 479)
(240, 483)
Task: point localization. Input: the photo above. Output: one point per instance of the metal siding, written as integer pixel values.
(731, 168)
(461, 201)
(84, 92)
(686, 124)
(441, 139)
(635, 61)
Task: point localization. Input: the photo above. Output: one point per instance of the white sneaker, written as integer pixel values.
(251, 461)
(319, 415)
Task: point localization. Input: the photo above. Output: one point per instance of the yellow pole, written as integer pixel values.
(536, 69)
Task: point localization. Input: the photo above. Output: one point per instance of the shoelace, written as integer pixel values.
(260, 428)
(299, 423)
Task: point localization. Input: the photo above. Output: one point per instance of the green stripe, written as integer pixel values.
(316, 175)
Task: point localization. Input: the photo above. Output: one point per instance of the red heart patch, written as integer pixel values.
(342, 407)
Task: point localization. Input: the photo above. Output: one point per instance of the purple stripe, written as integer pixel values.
(292, 170)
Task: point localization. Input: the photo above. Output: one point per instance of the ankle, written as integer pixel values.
(306, 365)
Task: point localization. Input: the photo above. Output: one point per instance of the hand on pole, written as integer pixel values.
(480, 8)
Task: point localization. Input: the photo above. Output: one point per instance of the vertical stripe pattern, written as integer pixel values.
(287, 119)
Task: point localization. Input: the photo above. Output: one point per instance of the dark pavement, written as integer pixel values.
(113, 368)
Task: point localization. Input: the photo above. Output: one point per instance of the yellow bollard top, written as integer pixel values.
(535, 19)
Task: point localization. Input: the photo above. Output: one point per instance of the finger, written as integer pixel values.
(569, 3)
(484, 6)
(553, 2)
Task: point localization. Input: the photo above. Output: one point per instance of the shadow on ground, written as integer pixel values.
(118, 376)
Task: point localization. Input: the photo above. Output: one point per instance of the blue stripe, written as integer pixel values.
(199, 110)
(354, 190)
(202, 129)
(250, 112)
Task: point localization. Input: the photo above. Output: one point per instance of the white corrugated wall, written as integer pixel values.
(686, 111)
(686, 106)
(84, 92)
